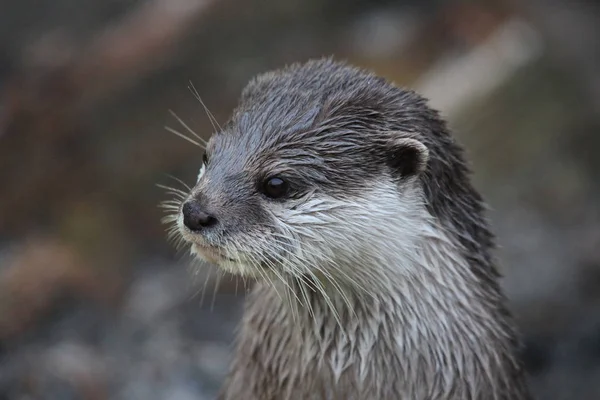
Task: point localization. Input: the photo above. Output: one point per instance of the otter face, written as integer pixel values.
(299, 208)
(301, 184)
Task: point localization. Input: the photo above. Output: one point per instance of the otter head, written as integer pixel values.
(317, 165)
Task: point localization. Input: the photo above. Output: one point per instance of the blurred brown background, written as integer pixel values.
(95, 304)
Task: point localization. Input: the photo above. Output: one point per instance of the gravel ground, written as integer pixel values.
(160, 344)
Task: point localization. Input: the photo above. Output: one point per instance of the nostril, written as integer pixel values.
(195, 218)
(207, 220)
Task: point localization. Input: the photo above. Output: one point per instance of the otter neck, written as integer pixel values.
(429, 308)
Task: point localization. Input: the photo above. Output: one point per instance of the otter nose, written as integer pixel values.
(195, 218)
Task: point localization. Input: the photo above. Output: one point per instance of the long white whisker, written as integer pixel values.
(288, 289)
(327, 299)
(188, 128)
(264, 274)
(214, 297)
(293, 267)
(169, 206)
(181, 135)
(172, 189)
(208, 277)
(339, 289)
(180, 181)
(318, 284)
(272, 269)
(172, 201)
(211, 117)
(197, 266)
(331, 263)
(307, 301)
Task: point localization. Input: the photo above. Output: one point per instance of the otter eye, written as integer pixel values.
(275, 187)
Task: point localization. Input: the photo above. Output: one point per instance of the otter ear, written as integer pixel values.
(407, 157)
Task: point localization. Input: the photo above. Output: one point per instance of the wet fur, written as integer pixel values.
(425, 330)
(377, 278)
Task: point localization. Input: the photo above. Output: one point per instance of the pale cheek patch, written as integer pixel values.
(359, 230)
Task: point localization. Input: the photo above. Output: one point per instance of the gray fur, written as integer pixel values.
(376, 274)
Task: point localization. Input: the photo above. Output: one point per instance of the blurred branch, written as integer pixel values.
(57, 78)
(453, 83)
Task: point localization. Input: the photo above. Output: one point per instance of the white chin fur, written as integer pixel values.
(229, 266)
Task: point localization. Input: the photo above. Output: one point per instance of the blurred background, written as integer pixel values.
(96, 304)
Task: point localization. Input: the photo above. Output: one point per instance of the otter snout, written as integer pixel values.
(195, 218)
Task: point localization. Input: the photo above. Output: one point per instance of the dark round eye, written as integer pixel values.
(204, 158)
(275, 187)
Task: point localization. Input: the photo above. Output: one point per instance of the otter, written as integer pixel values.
(350, 203)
